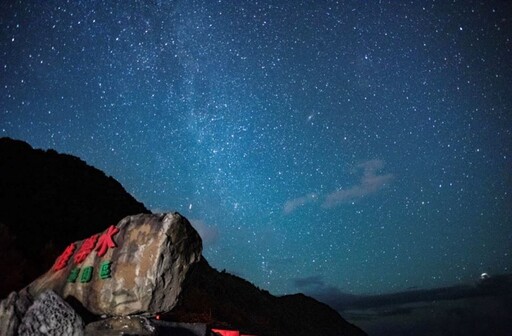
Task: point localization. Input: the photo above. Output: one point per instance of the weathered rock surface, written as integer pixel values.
(12, 310)
(137, 266)
(50, 315)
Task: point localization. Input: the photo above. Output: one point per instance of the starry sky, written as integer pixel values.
(358, 147)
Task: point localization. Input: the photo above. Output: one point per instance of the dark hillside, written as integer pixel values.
(47, 200)
(225, 300)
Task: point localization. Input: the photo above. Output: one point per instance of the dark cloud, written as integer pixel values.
(480, 309)
(495, 286)
(316, 287)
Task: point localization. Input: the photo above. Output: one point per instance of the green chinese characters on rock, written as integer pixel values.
(73, 275)
(86, 274)
(105, 270)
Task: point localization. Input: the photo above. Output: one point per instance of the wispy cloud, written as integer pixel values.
(370, 183)
(295, 203)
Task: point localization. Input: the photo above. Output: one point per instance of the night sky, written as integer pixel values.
(351, 146)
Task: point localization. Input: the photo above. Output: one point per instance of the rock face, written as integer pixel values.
(50, 315)
(137, 266)
(48, 199)
(12, 310)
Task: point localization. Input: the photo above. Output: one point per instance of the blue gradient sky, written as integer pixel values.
(360, 146)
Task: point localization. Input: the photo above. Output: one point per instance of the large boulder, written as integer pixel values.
(137, 266)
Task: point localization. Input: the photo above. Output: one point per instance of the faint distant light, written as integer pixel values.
(484, 276)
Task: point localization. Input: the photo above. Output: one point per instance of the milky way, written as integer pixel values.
(359, 147)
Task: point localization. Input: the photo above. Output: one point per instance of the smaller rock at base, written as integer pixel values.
(121, 325)
(50, 315)
(12, 310)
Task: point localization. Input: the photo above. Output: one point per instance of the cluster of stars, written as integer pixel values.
(363, 145)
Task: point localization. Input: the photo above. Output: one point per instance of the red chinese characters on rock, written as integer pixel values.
(63, 259)
(86, 248)
(101, 245)
(106, 241)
